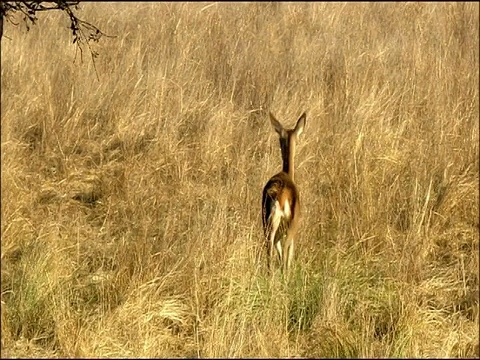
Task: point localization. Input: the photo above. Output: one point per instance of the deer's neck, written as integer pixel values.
(288, 152)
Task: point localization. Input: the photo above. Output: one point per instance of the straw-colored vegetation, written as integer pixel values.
(131, 211)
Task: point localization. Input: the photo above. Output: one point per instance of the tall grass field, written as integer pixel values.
(131, 186)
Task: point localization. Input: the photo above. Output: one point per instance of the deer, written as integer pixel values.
(281, 200)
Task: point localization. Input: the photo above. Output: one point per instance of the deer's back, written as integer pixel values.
(281, 188)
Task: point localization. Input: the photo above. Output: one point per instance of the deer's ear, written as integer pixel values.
(276, 125)
(300, 124)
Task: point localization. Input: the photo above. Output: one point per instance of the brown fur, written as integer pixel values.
(278, 226)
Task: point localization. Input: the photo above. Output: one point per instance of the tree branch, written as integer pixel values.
(83, 31)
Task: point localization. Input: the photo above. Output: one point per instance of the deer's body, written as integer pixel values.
(281, 200)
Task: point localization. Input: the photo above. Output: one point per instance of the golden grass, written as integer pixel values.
(131, 215)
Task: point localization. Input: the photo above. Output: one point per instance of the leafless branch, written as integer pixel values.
(83, 31)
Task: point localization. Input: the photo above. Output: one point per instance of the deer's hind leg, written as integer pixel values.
(288, 249)
(272, 229)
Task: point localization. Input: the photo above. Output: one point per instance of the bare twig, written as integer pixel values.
(83, 31)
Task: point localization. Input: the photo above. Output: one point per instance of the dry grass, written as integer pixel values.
(131, 209)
